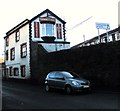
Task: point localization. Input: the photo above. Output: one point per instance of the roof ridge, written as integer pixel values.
(17, 26)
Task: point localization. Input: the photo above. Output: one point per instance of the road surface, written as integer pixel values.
(20, 95)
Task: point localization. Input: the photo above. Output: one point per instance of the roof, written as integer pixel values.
(50, 12)
(26, 21)
(23, 23)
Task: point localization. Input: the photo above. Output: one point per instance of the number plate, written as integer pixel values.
(85, 86)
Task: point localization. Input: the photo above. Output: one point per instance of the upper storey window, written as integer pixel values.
(47, 26)
(23, 50)
(12, 53)
(17, 36)
(47, 29)
(7, 41)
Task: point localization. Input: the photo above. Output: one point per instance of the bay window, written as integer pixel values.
(47, 29)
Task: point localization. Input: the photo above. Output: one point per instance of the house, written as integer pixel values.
(43, 33)
(1, 67)
(114, 35)
(118, 13)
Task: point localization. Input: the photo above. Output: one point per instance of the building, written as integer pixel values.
(114, 35)
(1, 67)
(44, 32)
(119, 13)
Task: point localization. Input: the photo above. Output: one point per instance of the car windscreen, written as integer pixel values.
(70, 75)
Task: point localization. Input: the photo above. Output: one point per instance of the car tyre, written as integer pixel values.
(47, 88)
(68, 90)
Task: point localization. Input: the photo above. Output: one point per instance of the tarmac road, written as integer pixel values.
(20, 95)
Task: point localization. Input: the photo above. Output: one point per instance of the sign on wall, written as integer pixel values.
(47, 19)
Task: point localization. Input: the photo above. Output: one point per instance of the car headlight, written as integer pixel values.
(75, 83)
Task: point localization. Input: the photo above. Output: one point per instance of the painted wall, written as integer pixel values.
(24, 38)
(55, 46)
(55, 32)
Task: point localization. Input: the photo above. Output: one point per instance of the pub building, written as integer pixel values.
(44, 32)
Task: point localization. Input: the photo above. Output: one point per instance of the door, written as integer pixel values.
(60, 80)
(51, 80)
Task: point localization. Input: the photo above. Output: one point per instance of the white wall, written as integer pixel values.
(51, 47)
(55, 32)
(24, 38)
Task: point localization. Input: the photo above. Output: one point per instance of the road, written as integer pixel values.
(20, 95)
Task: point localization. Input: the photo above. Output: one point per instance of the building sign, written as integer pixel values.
(105, 26)
(47, 19)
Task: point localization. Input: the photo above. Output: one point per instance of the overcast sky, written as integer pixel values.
(12, 12)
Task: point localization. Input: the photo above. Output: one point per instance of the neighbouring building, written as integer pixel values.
(114, 35)
(119, 13)
(2, 68)
(45, 31)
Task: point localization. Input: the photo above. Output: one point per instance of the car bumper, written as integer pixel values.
(82, 88)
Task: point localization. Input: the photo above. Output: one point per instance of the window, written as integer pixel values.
(47, 29)
(17, 36)
(16, 71)
(23, 50)
(12, 54)
(118, 36)
(6, 54)
(59, 76)
(51, 75)
(7, 41)
(23, 70)
(10, 71)
(59, 31)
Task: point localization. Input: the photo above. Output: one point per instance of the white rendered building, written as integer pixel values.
(46, 30)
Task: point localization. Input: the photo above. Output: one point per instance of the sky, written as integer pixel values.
(74, 12)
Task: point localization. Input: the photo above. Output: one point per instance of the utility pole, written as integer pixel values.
(84, 38)
(81, 24)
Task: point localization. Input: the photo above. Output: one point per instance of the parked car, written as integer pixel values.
(68, 81)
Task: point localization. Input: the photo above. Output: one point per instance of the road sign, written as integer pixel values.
(105, 26)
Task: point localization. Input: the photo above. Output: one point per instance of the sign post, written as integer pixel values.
(104, 26)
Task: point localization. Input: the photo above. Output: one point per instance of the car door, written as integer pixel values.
(59, 81)
(51, 80)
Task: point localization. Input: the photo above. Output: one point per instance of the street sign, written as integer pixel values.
(105, 26)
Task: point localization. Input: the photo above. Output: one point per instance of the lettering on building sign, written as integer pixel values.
(47, 19)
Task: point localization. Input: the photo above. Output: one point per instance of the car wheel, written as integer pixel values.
(68, 90)
(47, 88)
